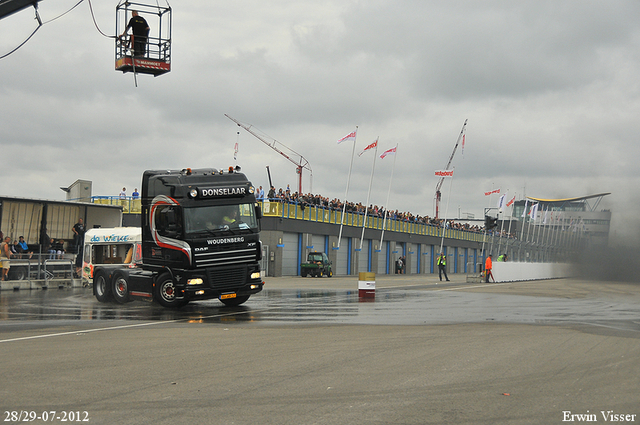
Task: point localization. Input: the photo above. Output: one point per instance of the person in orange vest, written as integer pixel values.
(488, 265)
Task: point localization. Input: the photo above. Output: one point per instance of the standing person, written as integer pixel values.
(140, 30)
(135, 194)
(78, 235)
(399, 265)
(5, 255)
(123, 197)
(442, 266)
(488, 265)
(45, 241)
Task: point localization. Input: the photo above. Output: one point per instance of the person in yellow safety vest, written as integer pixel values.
(488, 265)
(442, 266)
(230, 217)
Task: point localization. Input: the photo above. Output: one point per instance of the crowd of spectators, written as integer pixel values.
(309, 199)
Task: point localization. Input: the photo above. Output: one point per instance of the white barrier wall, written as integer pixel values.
(509, 272)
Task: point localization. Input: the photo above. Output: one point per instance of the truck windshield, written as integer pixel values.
(220, 219)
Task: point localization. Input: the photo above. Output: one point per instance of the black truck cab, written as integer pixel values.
(200, 240)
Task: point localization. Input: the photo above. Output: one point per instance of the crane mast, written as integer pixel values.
(298, 160)
(439, 185)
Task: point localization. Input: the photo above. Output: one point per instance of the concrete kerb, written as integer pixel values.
(36, 284)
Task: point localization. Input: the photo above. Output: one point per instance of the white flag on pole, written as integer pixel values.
(350, 136)
(391, 151)
(371, 146)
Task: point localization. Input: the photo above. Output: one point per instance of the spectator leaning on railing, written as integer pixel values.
(309, 199)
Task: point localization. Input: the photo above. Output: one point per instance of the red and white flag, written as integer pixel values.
(391, 151)
(492, 192)
(463, 144)
(533, 212)
(511, 201)
(350, 136)
(235, 152)
(371, 146)
(444, 173)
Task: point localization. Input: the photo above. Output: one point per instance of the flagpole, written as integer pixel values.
(501, 202)
(513, 206)
(386, 206)
(366, 208)
(344, 203)
(545, 235)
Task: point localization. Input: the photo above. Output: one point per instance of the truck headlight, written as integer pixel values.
(196, 281)
(255, 275)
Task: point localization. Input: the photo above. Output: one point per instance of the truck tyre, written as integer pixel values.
(101, 288)
(303, 273)
(120, 289)
(234, 302)
(18, 273)
(164, 292)
(330, 273)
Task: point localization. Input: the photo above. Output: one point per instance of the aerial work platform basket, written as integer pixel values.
(155, 59)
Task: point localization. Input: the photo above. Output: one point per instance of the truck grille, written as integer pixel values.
(229, 256)
(227, 279)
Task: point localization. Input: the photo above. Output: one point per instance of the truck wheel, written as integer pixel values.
(233, 302)
(330, 273)
(303, 273)
(120, 288)
(17, 273)
(101, 288)
(165, 292)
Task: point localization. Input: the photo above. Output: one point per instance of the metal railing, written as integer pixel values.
(42, 267)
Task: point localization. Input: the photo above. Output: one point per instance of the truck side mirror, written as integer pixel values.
(258, 211)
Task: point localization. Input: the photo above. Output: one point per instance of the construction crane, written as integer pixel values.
(298, 160)
(439, 185)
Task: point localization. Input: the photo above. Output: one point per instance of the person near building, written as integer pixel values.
(442, 266)
(5, 255)
(488, 266)
(78, 235)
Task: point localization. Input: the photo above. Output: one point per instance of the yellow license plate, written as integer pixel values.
(227, 296)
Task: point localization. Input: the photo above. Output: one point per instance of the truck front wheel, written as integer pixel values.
(101, 288)
(120, 288)
(165, 292)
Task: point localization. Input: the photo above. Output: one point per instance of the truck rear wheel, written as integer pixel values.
(233, 302)
(120, 288)
(101, 288)
(18, 273)
(303, 273)
(165, 292)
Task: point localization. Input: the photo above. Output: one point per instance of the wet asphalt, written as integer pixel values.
(311, 350)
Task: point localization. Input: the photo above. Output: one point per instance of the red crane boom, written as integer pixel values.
(439, 185)
(298, 160)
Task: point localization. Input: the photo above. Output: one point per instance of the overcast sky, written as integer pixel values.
(550, 90)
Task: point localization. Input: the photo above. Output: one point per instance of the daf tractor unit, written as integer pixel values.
(200, 240)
